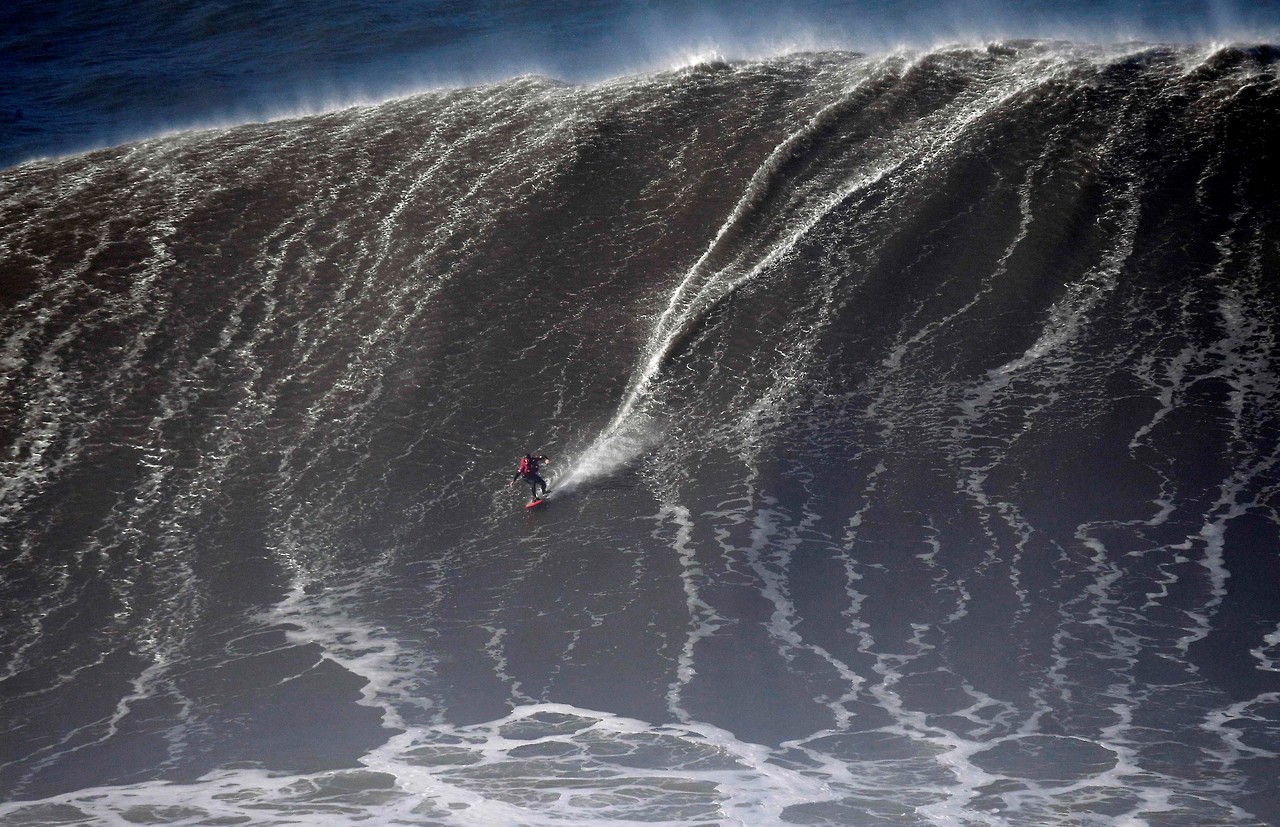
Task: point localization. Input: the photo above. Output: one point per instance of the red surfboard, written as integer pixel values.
(533, 504)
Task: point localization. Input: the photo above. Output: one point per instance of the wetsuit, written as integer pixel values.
(528, 471)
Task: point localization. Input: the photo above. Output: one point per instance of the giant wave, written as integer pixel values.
(914, 424)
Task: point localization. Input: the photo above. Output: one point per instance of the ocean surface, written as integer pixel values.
(913, 403)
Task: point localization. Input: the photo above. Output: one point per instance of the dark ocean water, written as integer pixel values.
(914, 414)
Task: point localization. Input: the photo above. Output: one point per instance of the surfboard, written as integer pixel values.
(533, 504)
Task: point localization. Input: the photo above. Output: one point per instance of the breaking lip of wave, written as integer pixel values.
(654, 43)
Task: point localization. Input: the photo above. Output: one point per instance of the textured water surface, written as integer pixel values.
(914, 432)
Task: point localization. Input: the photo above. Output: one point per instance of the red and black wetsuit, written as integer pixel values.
(528, 471)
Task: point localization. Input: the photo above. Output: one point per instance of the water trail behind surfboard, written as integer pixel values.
(715, 275)
(732, 260)
(617, 446)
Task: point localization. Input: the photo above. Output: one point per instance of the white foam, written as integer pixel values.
(542, 764)
(703, 620)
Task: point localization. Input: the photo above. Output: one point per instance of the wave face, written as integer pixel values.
(915, 422)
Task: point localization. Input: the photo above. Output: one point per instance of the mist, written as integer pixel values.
(90, 75)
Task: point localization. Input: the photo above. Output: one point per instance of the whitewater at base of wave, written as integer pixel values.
(556, 764)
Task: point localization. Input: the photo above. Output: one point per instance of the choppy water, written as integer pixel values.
(914, 424)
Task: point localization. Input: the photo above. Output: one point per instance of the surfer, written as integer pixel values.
(528, 471)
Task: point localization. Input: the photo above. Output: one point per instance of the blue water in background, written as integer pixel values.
(79, 74)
